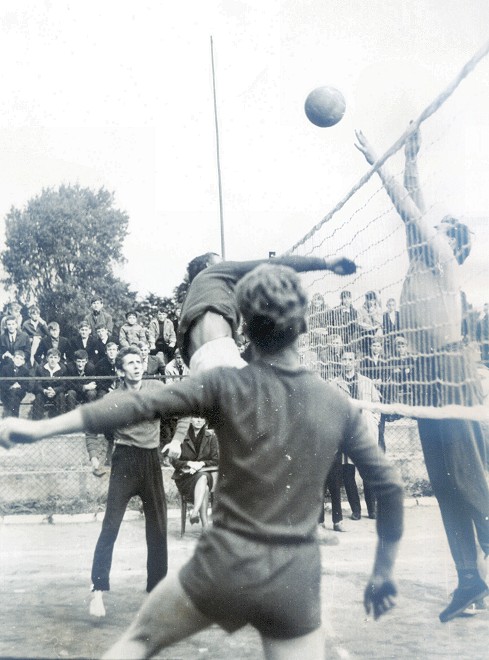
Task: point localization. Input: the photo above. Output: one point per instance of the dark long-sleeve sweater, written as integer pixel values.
(278, 433)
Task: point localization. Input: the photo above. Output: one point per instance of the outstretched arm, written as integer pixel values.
(418, 230)
(17, 430)
(411, 176)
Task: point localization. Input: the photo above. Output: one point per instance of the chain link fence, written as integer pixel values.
(54, 475)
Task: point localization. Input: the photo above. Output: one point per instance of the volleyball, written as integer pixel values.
(325, 106)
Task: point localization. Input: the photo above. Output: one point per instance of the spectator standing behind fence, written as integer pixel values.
(192, 475)
(135, 471)
(53, 340)
(403, 374)
(153, 365)
(376, 367)
(317, 321)
(162, 336)
(12, 392)
(12, 340)
(85, 342)
(391, 325)
(362, 388)
(342, 320)
(80, 391)
(97, 316)
(330, 358)
(482, 334)
(369, 319)
(131, 332)
(49, 393)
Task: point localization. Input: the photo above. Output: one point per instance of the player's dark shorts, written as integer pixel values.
(235, 580)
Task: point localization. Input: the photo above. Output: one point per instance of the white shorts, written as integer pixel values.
(221, 352)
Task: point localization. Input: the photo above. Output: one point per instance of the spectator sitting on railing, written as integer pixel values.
(36, 329)
(80, 391)
(13, 309)
(12, 392)
(177, 368)
(152, 364)
(47, 391)
(162, 337)
(84, 341)
(12, 340)
(193, 476)
(97, 316)
(53, 340)
(102, 338)
(131, 332)
(106, 367)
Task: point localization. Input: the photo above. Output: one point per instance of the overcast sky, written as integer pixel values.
(119, 94)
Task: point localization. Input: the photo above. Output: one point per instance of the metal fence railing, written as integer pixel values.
(55, 475)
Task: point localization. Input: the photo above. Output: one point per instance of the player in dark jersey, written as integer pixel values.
(279, 427)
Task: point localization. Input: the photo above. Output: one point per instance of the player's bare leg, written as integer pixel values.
(311, 646)
(166, 616)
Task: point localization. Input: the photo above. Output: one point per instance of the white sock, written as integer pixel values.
(97, 604)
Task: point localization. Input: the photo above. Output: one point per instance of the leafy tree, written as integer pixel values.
(62, 248)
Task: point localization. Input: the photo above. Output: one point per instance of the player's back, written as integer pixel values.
(279, 430)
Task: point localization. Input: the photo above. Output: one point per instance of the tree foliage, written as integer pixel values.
(62, 248)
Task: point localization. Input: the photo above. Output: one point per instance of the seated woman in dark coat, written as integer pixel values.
(195, 469)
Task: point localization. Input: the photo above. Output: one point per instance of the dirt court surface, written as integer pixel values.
(45, 585)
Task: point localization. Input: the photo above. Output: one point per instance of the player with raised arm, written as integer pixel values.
(453, 448)
(279, 427)
(210, 317)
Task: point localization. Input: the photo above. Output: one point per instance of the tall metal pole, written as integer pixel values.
(219, 180)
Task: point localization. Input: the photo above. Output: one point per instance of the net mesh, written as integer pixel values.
(418, 307)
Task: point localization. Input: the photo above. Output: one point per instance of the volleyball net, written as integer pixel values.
(412, 317)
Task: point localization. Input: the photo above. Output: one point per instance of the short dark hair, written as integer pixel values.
(53, 351)
(127, 350)
(461, 233)
(198, 264)
(132, 312)
(95, 298)
(81, 354)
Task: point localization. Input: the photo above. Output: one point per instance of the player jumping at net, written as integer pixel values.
(279, 428)
(210, 317)
(453, 448)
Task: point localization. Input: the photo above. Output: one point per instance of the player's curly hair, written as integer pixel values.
(274, 306)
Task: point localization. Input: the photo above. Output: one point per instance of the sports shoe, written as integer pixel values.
(97, 605)
(100, 471)
(463, 597)
(338, 527)
(325, 537)
(355, 516)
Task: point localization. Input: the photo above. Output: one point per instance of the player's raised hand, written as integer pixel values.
(341, 266)
(365, 147)
(15, 430)
(412, 145)
(379, 596)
